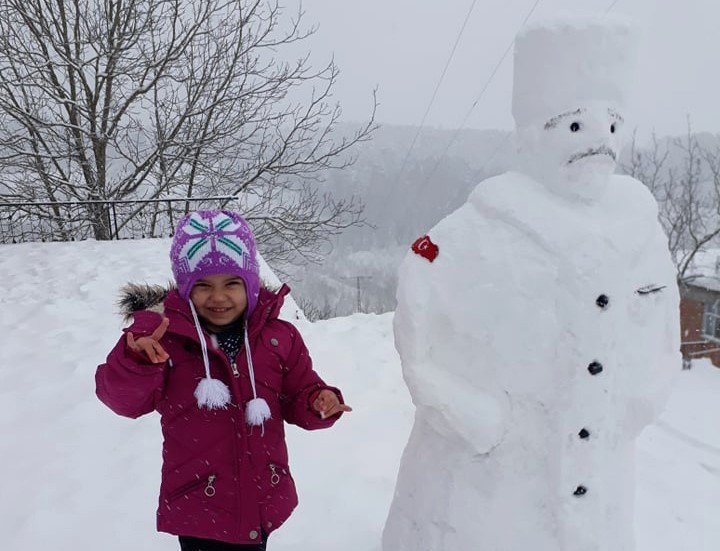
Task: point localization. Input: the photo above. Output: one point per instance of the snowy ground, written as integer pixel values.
(77, 477)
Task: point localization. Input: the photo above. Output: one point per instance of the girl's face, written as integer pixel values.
(219, 299)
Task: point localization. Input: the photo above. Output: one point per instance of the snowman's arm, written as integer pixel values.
(446, 311)
(663, 362)
(454, 406)
(648, 402)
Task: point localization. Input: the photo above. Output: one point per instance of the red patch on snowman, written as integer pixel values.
(426, 248)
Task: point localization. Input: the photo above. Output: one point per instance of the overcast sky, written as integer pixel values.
(401, 47)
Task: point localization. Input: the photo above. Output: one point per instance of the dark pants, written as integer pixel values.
(197, 544)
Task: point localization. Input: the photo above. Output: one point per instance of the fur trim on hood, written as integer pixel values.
(142, 296)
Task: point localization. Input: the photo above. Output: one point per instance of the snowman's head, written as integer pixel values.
(574, 152)
(571, 87)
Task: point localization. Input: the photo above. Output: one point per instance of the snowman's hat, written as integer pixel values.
(564, 64)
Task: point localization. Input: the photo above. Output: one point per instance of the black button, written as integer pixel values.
(583, 433)
(580, 491)
(602, 301)
(595, 367)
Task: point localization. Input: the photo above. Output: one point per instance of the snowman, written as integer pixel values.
(543, 333)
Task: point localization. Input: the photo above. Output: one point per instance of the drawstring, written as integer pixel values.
(210, 393)
(257, 410)
(214, 394)
(249, 362)
(201, 336)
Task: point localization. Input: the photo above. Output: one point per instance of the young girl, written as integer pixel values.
(224, 372)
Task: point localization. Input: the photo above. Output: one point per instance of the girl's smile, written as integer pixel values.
(219, 299)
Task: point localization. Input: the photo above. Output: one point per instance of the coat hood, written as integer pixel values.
(136, 297)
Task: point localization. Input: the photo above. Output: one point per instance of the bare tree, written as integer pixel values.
(112, 99)
(314, 312)
(684, 177)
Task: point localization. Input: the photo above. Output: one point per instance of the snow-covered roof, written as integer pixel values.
(711, 283)
(704, 272)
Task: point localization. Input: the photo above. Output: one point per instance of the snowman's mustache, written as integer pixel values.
(603, 150)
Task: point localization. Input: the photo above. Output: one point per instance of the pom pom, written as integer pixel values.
(212, 394)
(257, 411)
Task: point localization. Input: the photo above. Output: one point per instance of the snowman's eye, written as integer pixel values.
(612, 128)
(574, 127)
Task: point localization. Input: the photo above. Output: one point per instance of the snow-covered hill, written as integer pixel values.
(78, 478)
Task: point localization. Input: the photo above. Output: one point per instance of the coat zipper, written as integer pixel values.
(184, 490)
(274, 476)
(210, 489)
(235, 371)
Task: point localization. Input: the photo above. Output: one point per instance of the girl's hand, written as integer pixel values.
(150, 346)
(328, 404)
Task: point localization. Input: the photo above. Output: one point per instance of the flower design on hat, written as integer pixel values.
(218, 233)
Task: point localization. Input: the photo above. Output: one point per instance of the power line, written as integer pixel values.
(492, 156)
(497, 67)
(482, 92)
(611, 6)
(437, 87)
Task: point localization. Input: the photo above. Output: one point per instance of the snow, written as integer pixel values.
(706, 263)
(561, 159)
(572, 82)
(680, 455)
(706, 282)
(704, 270)
(568, 62)
(79, 478)
(496, 365)
(534, 376)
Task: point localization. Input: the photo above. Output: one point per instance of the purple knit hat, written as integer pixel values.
(211, 242)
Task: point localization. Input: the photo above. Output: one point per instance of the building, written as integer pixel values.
(700, 318)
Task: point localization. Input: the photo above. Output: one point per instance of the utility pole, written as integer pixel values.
(357, 280)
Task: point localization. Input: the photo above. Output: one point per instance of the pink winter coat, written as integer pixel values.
(221, 479)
